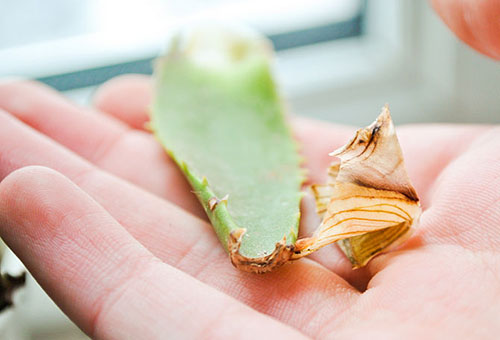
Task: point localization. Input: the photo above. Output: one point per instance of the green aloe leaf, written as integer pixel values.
(218, 114)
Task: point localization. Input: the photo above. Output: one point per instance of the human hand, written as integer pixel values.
(123, 261)
(475, 22)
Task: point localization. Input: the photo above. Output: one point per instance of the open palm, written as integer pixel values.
(123, 247)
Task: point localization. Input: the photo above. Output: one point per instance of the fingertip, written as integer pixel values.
(474, 22)
(316, 140)
(25, 177)
(76, 251)
(22, 186)
(6, 81)
(13, 94)
(22, 199)
(127, 98)
(16, 84)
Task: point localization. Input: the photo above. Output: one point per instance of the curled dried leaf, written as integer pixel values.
(368, 205)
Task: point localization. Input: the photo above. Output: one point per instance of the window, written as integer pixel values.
(338, 60)
(82, 43)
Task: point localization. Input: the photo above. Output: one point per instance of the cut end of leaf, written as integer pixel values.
(281, 254)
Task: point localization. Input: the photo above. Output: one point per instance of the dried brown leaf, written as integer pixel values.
(369, 204)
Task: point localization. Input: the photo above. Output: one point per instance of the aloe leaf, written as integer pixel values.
(217, 112)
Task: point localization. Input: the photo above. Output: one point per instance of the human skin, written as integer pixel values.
(477, 22)
(107, 225)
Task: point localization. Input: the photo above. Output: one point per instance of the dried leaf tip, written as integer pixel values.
(368, 204)
(281, 254)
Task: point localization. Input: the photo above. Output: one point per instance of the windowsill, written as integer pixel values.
(330, 66)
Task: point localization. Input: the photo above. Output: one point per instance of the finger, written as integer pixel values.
(105, 141)
(465, 206)
(316, 140)
(42, 108)
(109, 284)
(127, 98)
(464, 209)
(428, 150)
(304, 293)
(425, 287)
(111, 96)
(475, 22)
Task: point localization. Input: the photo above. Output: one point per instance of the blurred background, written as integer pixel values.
(338, 60)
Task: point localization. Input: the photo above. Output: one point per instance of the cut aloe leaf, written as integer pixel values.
(218, 114)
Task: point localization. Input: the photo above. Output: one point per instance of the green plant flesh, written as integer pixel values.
(218, 114)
